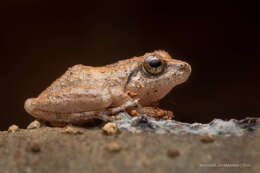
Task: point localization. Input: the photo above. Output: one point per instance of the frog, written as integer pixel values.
(84, 93)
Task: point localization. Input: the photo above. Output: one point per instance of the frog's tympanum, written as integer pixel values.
(85, 93)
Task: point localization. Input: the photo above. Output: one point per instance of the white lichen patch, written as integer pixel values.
(215, 127)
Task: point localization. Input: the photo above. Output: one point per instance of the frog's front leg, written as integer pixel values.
(128, 101)
(121, 100)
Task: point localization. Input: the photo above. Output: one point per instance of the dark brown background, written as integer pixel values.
(40, 40)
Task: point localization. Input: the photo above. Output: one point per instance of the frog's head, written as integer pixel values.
(157, 74)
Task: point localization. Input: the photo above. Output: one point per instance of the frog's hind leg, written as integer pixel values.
(70, 104)
(63, 119)
(84, 117)
(79, 104)
(107, 115)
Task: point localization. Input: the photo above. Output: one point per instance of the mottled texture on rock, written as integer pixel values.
(143, 152)
(173, 152)
(207, 138)
(72, 130)
(113, 147)
(35, 147)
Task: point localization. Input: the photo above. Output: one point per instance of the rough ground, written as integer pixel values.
(51, 150)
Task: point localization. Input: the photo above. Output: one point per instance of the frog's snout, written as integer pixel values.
(181, 71)
(183, 66)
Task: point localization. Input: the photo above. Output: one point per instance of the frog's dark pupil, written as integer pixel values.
(155, 63)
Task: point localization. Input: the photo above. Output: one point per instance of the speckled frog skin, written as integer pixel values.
(86, 92)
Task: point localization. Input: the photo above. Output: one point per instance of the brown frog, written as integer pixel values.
(85, 93)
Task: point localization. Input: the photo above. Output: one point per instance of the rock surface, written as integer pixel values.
(49, 149)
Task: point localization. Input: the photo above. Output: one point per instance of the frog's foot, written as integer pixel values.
(155, 113)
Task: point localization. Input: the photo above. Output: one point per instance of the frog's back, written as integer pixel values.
(79, 75)
(94, 77)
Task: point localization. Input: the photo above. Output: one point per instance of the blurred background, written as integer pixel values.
(40, 40)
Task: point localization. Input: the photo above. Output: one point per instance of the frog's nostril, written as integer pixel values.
(180, 66)
(183, 67)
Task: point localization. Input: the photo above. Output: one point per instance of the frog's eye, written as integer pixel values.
(153, 65)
